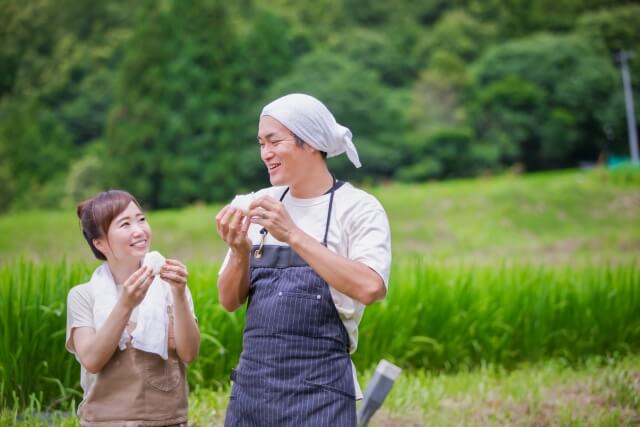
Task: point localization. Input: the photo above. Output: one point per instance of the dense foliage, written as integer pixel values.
(161, 97)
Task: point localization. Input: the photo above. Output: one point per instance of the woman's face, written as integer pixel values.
(128, 237)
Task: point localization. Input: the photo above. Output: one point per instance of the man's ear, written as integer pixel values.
(310, 149)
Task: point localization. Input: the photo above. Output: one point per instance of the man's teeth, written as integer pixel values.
(139, 243)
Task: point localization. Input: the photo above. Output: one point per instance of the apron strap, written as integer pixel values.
(336, 184)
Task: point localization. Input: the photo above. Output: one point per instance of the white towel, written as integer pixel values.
(312, 121)
(152, 328)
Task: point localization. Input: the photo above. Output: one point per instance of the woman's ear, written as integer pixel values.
(100, 245)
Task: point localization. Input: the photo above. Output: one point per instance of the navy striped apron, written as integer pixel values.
(295, 368)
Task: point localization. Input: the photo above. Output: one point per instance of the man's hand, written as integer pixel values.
(272, 215)
(232, 227)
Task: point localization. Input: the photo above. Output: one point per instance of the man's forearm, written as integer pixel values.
(352, 278)
(233, 283)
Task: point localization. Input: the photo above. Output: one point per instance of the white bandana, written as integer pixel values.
(310, 120)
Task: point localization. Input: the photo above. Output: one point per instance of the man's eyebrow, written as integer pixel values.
(267, 136)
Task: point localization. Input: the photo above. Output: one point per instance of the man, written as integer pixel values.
(309, 255)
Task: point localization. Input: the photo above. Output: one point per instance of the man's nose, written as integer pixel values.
(266, 152)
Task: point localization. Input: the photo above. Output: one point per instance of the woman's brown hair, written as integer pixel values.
(97, 213)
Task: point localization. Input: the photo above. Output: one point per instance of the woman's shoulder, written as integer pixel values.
(80, 295)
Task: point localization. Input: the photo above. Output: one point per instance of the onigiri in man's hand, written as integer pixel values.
(242, 202)
(154, 261)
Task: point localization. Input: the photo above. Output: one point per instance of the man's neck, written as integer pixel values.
(313, 185)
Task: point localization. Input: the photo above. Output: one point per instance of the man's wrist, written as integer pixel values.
(296, 237)
(240, 256)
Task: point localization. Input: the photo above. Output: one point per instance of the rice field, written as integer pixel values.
(435, 319)
(602, 392)
(504, 292)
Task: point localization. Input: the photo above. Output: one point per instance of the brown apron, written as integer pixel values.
(136, 389)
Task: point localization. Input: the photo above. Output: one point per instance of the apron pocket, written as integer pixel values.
(292, 313)
(332, 389)
(162, 374)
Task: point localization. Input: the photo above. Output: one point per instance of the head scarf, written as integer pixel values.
(312, 121)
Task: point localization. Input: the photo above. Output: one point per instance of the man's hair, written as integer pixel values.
(300, 142)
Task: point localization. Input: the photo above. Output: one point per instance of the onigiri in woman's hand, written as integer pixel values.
(154, 261)
(242, 202)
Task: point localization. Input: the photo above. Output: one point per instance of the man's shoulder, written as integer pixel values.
(354, 196)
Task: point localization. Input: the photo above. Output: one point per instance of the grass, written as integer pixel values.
(558, 217)
(599, 392)
(492, 279)
(436, 318)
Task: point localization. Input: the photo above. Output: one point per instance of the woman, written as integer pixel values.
(131, 331)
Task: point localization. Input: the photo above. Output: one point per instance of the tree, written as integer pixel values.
(540, 100)
(34, 149)
(358, 101)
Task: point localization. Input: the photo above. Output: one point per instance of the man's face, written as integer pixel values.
(285, 160)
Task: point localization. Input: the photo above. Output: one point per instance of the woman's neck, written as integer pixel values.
(121, 270)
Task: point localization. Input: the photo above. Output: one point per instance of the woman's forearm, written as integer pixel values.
(187, 334)
(94, 349)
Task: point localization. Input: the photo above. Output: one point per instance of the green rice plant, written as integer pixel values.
(456, 317)
(32, 333)
(435, 318)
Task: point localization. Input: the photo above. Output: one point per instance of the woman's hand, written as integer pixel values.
(232, 227)
(175, 274)
(135, 287)
(272, 215)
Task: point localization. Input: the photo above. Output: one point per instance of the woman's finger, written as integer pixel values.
(136, 275)
(146, 276)
(141, 288)
(175, 262)
(175, 269)
(174, 277)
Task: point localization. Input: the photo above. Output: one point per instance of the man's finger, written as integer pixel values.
(228, 215)
(266, 202)
(222, 212)
(245, 226)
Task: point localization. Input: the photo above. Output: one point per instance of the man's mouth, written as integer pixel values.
(273, 166)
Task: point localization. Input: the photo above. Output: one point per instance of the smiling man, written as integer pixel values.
(310, 254)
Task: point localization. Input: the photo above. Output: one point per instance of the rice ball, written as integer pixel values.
(242, 202)
(154, 261)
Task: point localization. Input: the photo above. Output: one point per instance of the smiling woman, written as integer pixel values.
(132, 329)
